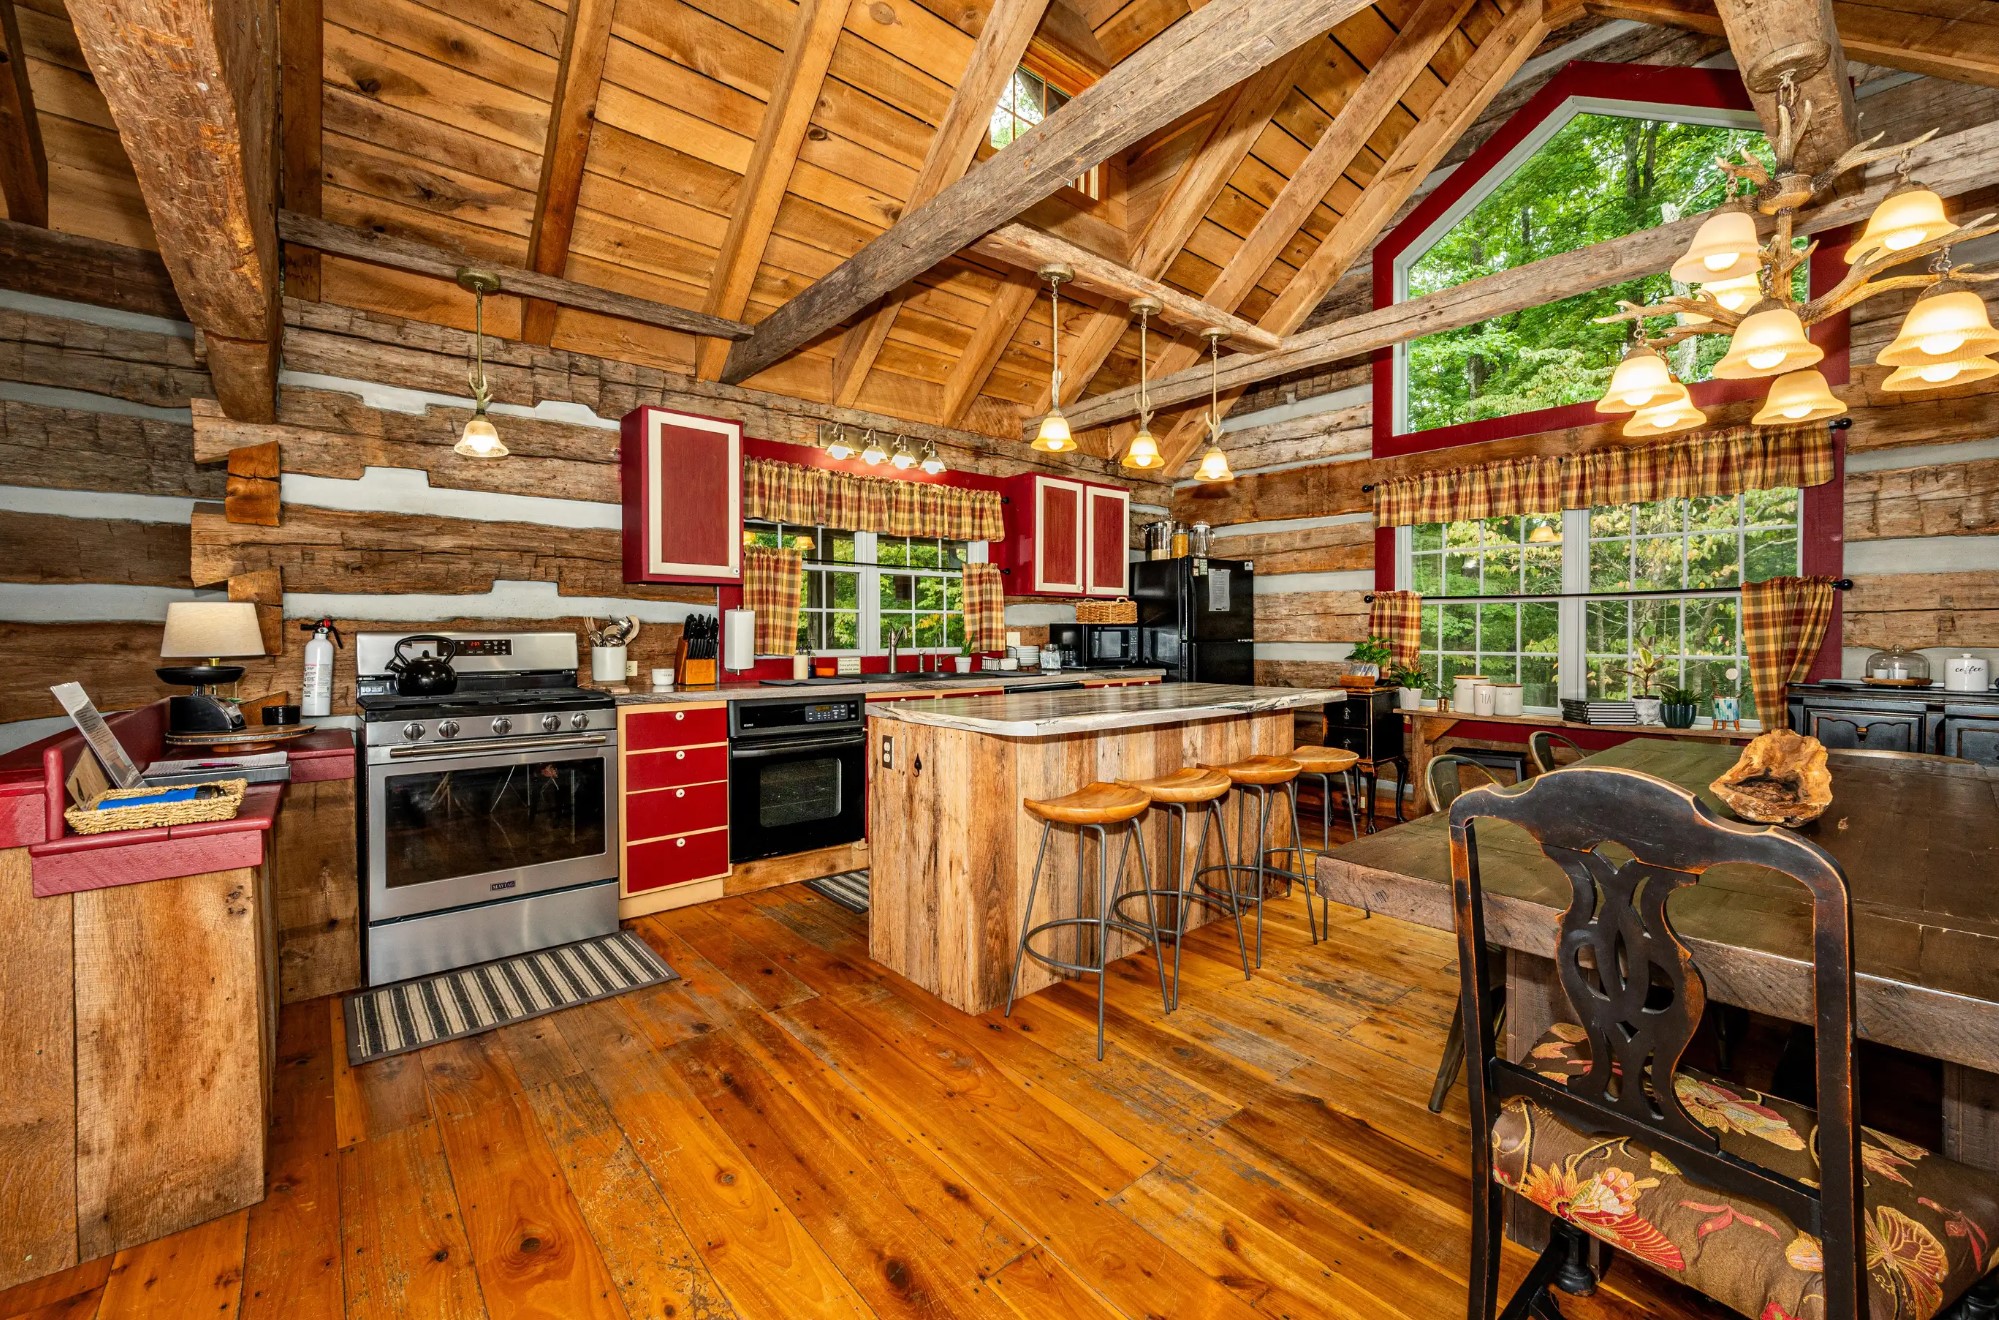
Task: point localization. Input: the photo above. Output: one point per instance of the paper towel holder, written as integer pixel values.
(739, 640)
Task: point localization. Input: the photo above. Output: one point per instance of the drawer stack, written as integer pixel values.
(675, 816)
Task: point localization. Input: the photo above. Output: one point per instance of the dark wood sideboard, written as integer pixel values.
(1964, 724)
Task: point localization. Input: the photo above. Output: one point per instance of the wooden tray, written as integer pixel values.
(246, 737)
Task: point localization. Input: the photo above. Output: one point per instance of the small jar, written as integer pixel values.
(1463, 689)
(1483, 699)
(1180, 544)
(1508, 699)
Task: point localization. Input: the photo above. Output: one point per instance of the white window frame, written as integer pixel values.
(869, 570)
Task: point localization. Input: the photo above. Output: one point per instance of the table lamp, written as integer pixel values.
(208, 631)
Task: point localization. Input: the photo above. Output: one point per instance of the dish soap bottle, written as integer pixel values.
(316, 697)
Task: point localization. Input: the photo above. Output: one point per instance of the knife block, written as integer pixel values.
(692, 673)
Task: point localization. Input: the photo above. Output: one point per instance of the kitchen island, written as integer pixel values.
(952, 851)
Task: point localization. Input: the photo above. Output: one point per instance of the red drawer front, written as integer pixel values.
(674, 768)
(674, 861)
(676, 810)
(676, 728)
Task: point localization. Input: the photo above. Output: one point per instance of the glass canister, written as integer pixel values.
(1899, 666)
(1180, 543)
(1198, 538)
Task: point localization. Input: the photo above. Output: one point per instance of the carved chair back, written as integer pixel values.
(1627, 842)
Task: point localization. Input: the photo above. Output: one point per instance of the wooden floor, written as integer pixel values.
(791, 1132)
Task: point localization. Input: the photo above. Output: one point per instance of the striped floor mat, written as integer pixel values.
(849, 889)
(408, 1016)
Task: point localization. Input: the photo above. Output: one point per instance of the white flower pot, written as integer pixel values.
(1648, 709)
(962, 663)
(1410, 699)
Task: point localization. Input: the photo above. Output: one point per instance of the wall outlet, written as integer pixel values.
(631, 669)
(888, 751)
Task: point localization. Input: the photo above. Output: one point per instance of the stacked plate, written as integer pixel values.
(1600, 712)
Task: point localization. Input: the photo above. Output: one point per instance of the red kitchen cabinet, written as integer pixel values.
(1107, 541)
(1066, 538)
(673, 815)
(683, 497)
(680, 860)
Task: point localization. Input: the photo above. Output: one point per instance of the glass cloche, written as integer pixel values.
(1899, 667)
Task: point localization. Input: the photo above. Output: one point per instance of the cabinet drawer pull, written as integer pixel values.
(680, 843)
(680, 715)
(680, 756)
(680, 792)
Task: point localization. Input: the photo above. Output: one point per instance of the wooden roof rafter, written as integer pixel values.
(586, 42)
(24, 163)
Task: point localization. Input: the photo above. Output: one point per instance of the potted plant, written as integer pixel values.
(1367, 660)
(1678, 708)
(1410, 680)
(962, 662)
(1643, 671)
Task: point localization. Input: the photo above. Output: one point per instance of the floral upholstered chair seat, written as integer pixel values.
(1931, 1222)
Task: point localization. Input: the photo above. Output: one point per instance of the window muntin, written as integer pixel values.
(1506, 642)
(1027, 100)
(860, 585)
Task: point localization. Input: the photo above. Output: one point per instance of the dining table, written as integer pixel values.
(1918, 840)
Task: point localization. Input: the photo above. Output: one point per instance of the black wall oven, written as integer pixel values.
(797, 776)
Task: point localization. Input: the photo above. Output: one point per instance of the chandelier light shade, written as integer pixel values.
(1214, 463)
(1737, 293)
(1665, 418)
(1054, 436)
(1725, 248)
(1769, 342)
(1936, 375)
(1948, 322)
(1798, 396)
(932, 463)
(1910, 215)
(872, 452)
(1641, 379)
(479, 439)
(1143, 451)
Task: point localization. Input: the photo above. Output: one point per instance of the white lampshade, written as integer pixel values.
(211, 630)
(904, 457)
(1214, 466)
(1910, 215)
(1936, 375)
(872, 452)
(1800, 396)
(1947, 322)
(1665, 418)
(479, 439)
(837, 448)
(1769, 342)
(1641, 379)
(1054, 437)
(1143, 451)
(931, 462)
(1737, 293)
(1725, 248)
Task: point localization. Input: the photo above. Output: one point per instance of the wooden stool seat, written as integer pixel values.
(1094, 804)
(1260, 770)
(1324, 760)
(1192, 784)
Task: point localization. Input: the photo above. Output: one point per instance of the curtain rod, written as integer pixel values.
(1839, 584)
(875, 563)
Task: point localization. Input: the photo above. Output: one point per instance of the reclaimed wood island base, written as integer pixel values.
(952, 850)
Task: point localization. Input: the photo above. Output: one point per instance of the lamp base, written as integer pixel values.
(202, 713)
(199, 676)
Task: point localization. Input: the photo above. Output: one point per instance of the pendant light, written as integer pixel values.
(1641, 379)
(1726, 247)
(479, 439)
(1143, 451)
(1947, 322)
(1909, 215)
(1665, 418)
(838, 448)
(1053, 436)
(1935, 375)
(1798, 396)
(872, 452)
(904, 457)
(1769, 342)
(1214, 463)
(931, 462)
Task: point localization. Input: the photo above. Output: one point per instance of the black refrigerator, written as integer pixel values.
(1197, 618)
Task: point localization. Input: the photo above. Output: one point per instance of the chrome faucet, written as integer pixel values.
(895, 638)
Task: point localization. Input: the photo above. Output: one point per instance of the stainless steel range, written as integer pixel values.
(489, 816)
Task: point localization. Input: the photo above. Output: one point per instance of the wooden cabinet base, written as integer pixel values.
(748, 877)
(668, 897)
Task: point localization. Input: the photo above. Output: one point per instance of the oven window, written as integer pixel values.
(801, 792)
(445, 823)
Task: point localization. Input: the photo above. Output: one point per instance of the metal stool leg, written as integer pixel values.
(1103, 923)
(1027, 920)
(1133, 832)
(1298, 846)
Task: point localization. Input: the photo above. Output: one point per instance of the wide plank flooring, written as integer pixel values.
(792, 1132)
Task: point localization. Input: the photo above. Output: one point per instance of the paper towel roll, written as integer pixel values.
(739, 639)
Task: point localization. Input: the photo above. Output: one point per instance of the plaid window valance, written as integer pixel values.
(814, 497)
(1713, 463)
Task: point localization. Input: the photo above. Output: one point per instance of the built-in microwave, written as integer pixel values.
(1097, 645)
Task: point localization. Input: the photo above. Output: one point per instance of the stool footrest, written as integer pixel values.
(1088, 923)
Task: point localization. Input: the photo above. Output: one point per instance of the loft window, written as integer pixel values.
(1028, 99)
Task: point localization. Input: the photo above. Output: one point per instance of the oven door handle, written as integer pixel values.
(786, 748)
(433, 750)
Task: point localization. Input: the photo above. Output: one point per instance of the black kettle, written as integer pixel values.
(425, 675)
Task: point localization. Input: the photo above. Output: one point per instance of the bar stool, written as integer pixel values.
(1098, 807)
(1191, 788)
(1322, 763)
(1260, 776)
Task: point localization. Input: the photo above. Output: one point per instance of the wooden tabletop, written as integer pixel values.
(1919, 841)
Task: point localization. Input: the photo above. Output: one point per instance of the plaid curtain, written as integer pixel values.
(774, 586)
(1716, 463)
(1398, 616)
(985, 607)
(814, 497)
(1783, 625)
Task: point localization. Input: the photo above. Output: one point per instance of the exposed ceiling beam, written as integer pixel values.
(586, 41)
(302, 84)
(70, 266)
(1503, 50)
(1941, 47)
(423, 259)
(1200, 56)
(192, 86)
(1956, 164)
(990, 338)
(24, 166)
(786, 116)
(996, 54)
(1030, 250)
(1769, 36)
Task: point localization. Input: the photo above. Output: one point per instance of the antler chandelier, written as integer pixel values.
(1745, 288)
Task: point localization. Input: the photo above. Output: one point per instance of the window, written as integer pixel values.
(1027, 100)
(860, 587)
(1568, 645)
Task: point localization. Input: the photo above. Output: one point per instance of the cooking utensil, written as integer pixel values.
(425, 675)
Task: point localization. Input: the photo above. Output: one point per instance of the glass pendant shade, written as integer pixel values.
(905, 457)
(1737, 293)
(838, 448)
(1214, 466)
(1947, 323)
(931, 462)
(479, 439)
(1726, 248)
(1664, 419)
(1641, 379)
(1143, 451)
(1799, 396)
(1770, 342)
(1910, 215)
(1936, 375)
(1054, 437)
(872, 452)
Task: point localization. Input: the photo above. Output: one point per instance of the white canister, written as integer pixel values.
(1463, 688)
(1508, 699)
(607, 664)
(1966, 673)
(801, 666)
(1483, 699)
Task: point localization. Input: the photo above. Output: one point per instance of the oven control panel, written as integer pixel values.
(485, 727)
(832, 712)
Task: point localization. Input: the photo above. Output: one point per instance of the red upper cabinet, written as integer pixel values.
(1066, 538)
(1058, 535)
(1107, 541)
(683, 496)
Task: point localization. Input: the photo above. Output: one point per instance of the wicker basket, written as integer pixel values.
(87, 820)
(1120, 610)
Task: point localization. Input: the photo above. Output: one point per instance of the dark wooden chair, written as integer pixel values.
(1542, 746)
(1766, 1206)
(1444, 779)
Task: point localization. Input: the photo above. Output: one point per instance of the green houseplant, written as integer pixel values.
(1678, 708)
(1643, 672)
(1410, 680)
(1369, 658)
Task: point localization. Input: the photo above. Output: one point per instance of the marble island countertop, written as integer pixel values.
(1052, 714)
(880, 685)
